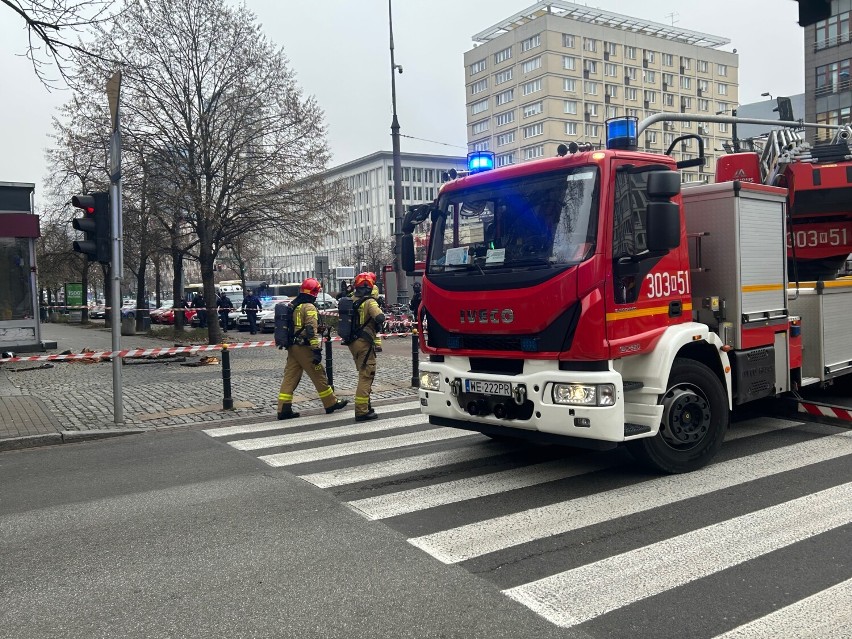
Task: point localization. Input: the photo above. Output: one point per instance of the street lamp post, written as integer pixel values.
(734, 139)
(401, 284)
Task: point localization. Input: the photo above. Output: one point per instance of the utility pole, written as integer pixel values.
(401, 283)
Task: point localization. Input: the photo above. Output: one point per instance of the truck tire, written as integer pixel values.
(695, 420)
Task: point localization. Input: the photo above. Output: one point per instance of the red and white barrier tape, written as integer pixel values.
(822, 410)
(147, 352)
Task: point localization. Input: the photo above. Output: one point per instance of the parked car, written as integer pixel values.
(158, 312)
(168, 316)
(267, 309)
(97, 312)
(233, 316)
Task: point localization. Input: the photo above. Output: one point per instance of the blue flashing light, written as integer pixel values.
(529, 344)
(480, 161)
(621, 133)
(454, 341)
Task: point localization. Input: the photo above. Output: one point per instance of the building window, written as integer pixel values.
(504, 97)
(479, 127)
(650, 56)
(592, 108)
(506, 138)
(567, 41)
(533, 130)
(668, 138)
(685, 63)
(610, 70)
(571, 107)
(592, 130)
(650, 97)
(503, 76)
(569, 85)
(533, 109)
(531, 64)
(502, 56)
(703, 85)
(532, 152)
(532, 87)
(531, 43)
(477, 67)
(590, 44)
(630, 53)
(479, 86)
(685, 82)
(723, 127)
(482, 145)
(685, 102)
(611, 90)
(505, 159)
(591, 66)
(612, 111)
(633, 113)
(703, 105)
(651, 137)
(630, 93)
(570, 128)
(631, 72)
(569, 62)
(701, 65)
(479, 107)
(505, 118)
(611, 48)
(668, 60)
(722, 89)
(590, 88)
(668, 79)
(649, 77)
(833, 31)
(668, 99)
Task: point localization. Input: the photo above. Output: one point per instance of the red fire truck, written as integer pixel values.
(588, 299)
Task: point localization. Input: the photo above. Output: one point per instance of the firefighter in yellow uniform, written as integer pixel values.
(305, 355)
(377, 340)
(369, 318)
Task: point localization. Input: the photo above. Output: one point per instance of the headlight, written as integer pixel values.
(584, 394)
(430, 381)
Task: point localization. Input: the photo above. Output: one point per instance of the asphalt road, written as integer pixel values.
(320, 527)
(178, 535)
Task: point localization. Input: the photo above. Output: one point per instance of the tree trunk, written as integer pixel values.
(177, 285)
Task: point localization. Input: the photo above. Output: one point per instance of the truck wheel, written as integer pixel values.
(695, 419)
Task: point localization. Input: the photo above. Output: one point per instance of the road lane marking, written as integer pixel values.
(480, 538)
(575, 596)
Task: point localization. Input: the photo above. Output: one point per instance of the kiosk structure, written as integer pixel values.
(19, 230)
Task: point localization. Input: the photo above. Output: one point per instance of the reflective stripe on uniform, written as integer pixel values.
(362, 400)
(285, 397)
(328, 391)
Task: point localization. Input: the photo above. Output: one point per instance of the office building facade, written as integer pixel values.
(370, 213)
(555, 72)
(828, 52)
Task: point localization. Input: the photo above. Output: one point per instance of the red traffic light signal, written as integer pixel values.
(96, 225)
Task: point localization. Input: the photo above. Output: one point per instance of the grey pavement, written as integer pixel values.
(40, 402)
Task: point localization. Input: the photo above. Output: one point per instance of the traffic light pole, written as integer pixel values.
(113, 88)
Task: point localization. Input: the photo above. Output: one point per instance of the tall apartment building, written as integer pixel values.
(370, 213)
(556, 71)
(828, 50)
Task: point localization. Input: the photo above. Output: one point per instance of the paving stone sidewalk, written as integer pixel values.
(68, 397)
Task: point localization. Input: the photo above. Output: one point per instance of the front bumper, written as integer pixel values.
(537, 412)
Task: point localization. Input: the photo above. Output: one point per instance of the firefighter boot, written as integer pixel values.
(287, 412)
(336, 406)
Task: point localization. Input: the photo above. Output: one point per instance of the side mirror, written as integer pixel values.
(663, 222)
(663, 184)
(407, 252)
(414, 216)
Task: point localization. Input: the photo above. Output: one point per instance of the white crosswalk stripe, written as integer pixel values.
(406, 471)
(483, 537)
(826, 614)
(575, 596)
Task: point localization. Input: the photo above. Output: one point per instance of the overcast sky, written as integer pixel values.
(339, 50)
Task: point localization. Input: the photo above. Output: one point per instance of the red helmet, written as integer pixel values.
(311, 286)
(365, 279)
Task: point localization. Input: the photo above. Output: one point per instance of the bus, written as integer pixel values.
(279, 290)
(231, 287)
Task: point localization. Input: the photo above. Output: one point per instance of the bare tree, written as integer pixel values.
(372, 252)
(234, 145)
(55, 29)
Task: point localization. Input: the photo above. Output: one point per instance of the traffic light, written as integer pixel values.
(784, 109)
(95, 223)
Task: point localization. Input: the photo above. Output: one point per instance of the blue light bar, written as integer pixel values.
(480, 161)
(621, 133)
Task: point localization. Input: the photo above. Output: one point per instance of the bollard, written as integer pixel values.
(227, 400)
(329, 365)
(415, 359)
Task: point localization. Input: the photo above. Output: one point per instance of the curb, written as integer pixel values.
(65, 437)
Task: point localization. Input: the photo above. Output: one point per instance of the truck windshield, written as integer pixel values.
(542, 221)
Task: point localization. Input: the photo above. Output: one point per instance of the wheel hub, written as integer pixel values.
(686, 418)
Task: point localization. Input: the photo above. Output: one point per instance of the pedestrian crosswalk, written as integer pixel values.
(589, 539)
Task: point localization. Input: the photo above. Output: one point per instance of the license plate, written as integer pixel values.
(487, 388)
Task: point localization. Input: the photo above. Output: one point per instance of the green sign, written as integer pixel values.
(74, 301)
